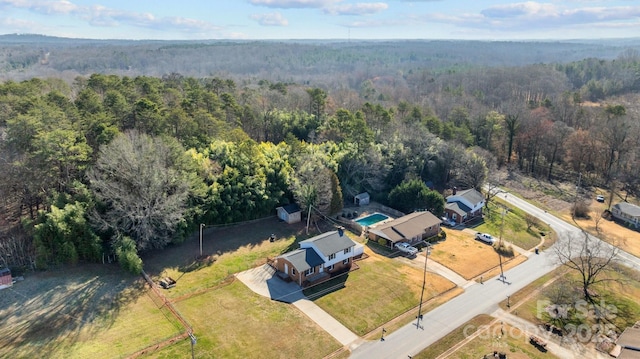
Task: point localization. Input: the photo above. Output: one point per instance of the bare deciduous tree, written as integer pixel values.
(531, 220)
(143, 193)
(591, 258)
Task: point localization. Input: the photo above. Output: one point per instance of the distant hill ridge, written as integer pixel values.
(23, 56)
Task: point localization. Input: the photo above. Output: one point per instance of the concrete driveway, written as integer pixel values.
(264, 281)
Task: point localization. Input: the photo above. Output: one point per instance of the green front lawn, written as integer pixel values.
(514, 229)
(381, 290)
(234, 322)
(222, 266)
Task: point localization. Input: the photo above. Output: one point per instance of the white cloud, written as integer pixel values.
(533, 15)
(528, 8)
(271, 19)
(294, 4)
(43, 7)
(98, 15)
(357, 9)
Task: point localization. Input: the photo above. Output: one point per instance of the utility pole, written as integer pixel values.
(424, 282)
(308, 218)
(201, 227)
(193, 342)
(500, 245)
(575, 200)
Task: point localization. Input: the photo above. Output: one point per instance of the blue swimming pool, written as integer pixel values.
(371, 219)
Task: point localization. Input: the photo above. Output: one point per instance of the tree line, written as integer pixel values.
(112, 164)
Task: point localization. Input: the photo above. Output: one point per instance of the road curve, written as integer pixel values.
(477, 299)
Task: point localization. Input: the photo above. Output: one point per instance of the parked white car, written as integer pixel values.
(448, 222)
(486, 238)
(600, 198)
(406, 248)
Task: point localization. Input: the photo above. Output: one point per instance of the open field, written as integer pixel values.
(454, 337)
(468, 257)
(90, 311)
(557, 199)
(622, 293)
(100, 311)
(610, 231)
(513, 342)
(233, 322)
(381, 290)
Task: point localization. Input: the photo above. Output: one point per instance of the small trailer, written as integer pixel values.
(538, 342)
(167, 283)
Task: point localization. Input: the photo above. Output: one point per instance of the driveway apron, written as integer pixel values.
(264, 281)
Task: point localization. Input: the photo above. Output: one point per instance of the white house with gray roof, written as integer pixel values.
(627, 212)
(464, 205)
(318, 258)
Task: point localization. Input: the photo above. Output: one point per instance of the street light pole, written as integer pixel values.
(424, 282)
(201, 227)
(500, 245)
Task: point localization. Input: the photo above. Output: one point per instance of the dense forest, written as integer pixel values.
(100, 157)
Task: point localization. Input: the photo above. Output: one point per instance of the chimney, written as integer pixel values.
(455, 190)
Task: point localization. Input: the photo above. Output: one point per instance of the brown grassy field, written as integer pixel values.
(468, 257)
(88, 311)
(557, 198)
(513, 342)
(610, 231)
(100, 311)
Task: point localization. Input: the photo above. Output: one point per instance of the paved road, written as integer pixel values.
(477, 299)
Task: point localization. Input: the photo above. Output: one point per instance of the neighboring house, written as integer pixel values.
(5, 278)
(627, 212)
(465, 205)
(361, 199)
(289, 213)
(319, 258)
(628, 344)
(411, 228)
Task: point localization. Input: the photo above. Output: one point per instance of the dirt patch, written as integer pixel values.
(608, 230)
(558, 198)
(467, 256)
(553, 197)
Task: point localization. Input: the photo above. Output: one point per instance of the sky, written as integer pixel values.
(322, 19)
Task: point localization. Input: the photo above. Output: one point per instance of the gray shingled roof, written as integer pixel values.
(291, 208)
(628, 208)
(330, 242)
(303, 258)
(458, 207)
(630, 338)
(406, 227)
(471, 195)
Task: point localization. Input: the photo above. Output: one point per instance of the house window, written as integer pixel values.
(332, 256)
(309, 271)
(347, 250)
(293, 271)
(329, 268)
(346, 261)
